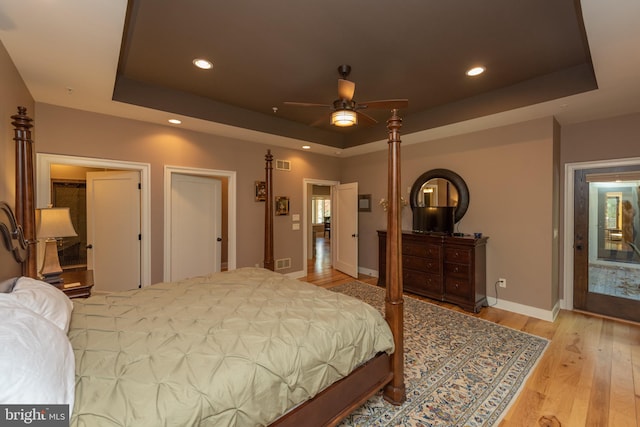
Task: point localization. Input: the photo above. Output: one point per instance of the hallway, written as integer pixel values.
(320, 271)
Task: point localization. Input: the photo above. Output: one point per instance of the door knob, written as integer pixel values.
(89, 246)
(219, 239)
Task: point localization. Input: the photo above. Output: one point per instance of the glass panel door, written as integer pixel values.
(607, 261)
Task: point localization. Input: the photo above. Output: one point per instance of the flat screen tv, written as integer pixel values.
(434, 219)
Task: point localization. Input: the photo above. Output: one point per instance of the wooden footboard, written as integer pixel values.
(338, 400)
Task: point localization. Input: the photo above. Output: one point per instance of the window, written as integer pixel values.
(320, 209)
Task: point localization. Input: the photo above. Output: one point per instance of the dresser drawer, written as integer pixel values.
(457, 287)
(461, 255)
(460, 271)
(428, 265)
(420, 250)
(422, 283)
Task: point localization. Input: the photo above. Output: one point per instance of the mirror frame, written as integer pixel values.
(452, 177)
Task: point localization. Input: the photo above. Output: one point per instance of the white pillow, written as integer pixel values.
(37, 365)
(44, 299)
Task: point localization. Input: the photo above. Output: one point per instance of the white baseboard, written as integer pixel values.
(368, 272)
(296, 274)
(538, 313)
(527, 310)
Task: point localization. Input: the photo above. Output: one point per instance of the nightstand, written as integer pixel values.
(77, 284)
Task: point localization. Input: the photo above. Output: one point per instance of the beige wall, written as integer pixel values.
(613, 138)
(14, 94)
(85, 134)
(509, 172)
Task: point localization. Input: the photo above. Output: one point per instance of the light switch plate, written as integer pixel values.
(295, 217)
(295, 226)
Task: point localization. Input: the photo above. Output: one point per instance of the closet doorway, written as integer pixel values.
(45, 163)
(184, 188)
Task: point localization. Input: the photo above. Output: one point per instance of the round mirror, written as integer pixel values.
(440, 188)
(437, 192)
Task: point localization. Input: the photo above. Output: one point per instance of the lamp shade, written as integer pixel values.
(344, 118)
(54, 222)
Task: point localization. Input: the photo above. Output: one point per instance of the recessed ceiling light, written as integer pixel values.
(475, 71)
(306, 147)
(202, 63)
(175, 121)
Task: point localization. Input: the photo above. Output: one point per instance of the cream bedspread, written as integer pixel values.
(231, 349)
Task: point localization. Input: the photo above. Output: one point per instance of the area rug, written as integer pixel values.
(459, 370)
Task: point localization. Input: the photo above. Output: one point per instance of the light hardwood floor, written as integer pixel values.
(588, 376)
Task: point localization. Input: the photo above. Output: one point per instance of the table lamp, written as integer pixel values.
(51, 224)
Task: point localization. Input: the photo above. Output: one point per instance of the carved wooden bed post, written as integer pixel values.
(394, 392)
(25, 184)
(268, 214)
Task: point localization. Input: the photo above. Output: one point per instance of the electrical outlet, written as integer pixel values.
(502, 282)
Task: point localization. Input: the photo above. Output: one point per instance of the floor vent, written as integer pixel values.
(283, 263)
(283, 165)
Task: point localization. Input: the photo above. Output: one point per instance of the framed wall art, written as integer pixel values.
(364, 202)
(261, 191)
(282, 205)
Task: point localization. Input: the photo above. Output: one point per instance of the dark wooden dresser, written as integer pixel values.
(445, 268)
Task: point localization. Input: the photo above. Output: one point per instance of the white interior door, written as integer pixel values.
(196, 225)
(113, 229)
(344, 228)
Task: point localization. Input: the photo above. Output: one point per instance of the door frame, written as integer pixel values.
(43, 195)
(231, 210)
(305, 214)
(569, 175)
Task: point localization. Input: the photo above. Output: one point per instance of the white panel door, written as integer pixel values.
(113, 229)
(344, 228)
(196, 223)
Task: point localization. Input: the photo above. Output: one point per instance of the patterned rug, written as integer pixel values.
(459, 370)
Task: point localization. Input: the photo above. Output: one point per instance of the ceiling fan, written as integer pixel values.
(345, 110)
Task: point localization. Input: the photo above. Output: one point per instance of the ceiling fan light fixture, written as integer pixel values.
(344, 118)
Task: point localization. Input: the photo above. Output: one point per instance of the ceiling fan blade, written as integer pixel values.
(386, 103)
(366, 118)
(346, 89)
(306, 104)
(324, 120)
